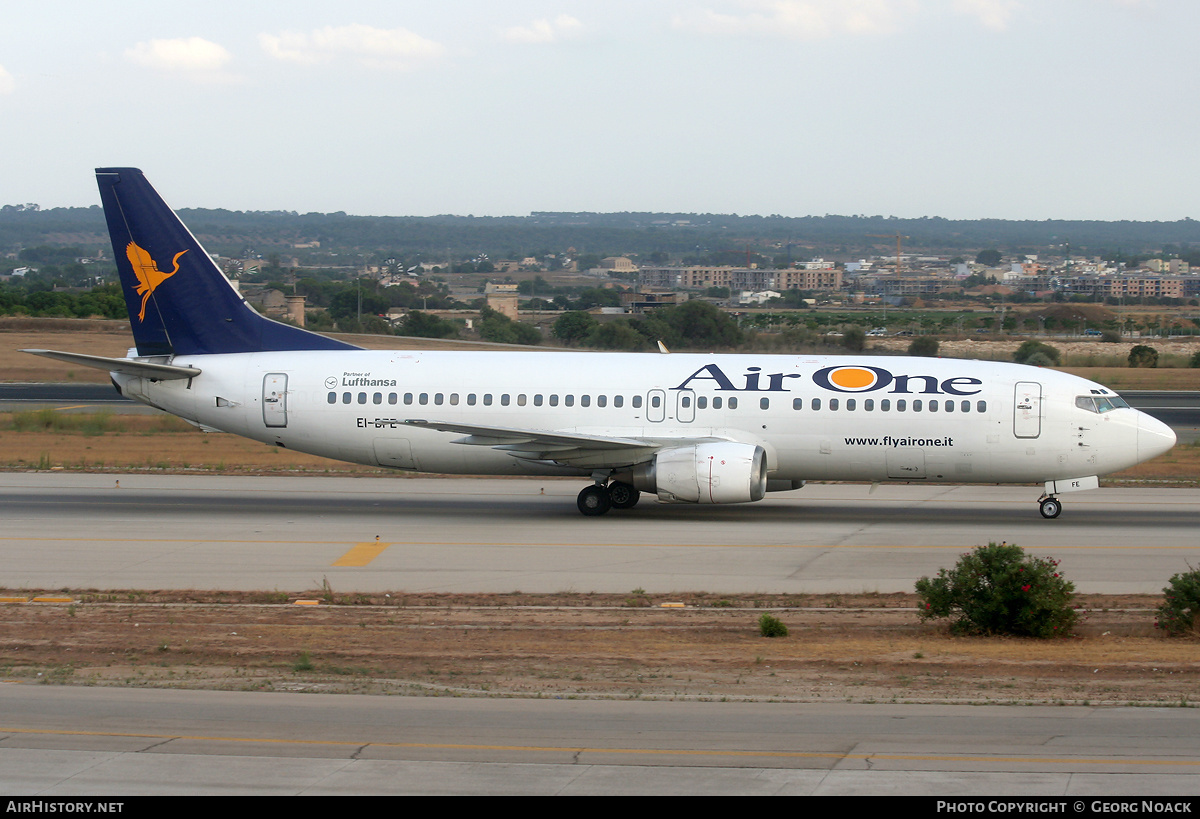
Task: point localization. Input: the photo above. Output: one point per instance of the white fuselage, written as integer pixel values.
(817, 418)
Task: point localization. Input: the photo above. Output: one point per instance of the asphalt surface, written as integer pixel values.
(63, 742)
(494, 535)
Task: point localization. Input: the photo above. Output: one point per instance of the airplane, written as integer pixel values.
(685, 428)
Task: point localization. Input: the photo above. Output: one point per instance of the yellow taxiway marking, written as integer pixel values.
(575, 749)
(362, 554)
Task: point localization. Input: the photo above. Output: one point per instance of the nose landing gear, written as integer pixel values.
(1050, 506)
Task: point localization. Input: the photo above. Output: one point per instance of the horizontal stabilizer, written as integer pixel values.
(126, 366)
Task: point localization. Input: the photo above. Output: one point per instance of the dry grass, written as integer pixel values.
(104, 442)
(839, 649)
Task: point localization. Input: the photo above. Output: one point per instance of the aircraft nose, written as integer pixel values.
(1153, 437)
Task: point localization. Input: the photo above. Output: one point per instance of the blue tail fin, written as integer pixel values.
(179, 302)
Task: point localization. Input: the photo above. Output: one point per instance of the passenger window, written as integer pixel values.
(885, 404)
(504, 400)
(851, 404)
(454, 399)
(391, 398)
(732, 402)
(521, 400)
(377, 398)
(869, 404)
(637, 402)
(656, 401)
(362, 398)
(423, 398)
(487, 399)
(933, 406)
(437, 398)
(602, 400)
(702, 402)
(585, 400)
(901, 405)
(537, 400)
(918, 404)
(816, 403)
(950, 406)
(568, 400)
(797, 403)
(717, 401)
(345, 398)
(554, 400)
(470, 399)
(965, 406)
(408, 397)
(764, 403)
(333, 398)
(618, 401)
(981, 406)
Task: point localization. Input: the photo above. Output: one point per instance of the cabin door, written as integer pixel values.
(1027, 409)
(274, 400)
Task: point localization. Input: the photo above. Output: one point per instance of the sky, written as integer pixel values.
(964, 109)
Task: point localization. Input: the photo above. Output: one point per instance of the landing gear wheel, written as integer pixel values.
(1051, 507)
(622, 495)
(593, 501)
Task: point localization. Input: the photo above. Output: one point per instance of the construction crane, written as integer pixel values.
(898, 239)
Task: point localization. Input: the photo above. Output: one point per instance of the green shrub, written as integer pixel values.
(1179, 613)
(1194, 361)
(1030, 348)
(1143, 356)
(769, 626)
(924, 346)
(999, 590)
(854, 339)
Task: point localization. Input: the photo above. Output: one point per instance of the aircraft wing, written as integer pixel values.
(567, 448)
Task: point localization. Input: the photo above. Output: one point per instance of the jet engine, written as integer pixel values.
(719, 472)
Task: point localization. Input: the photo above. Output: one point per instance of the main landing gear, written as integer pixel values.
(1050, 506)
(598, 498)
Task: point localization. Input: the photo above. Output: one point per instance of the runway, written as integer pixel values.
(61, 742)
(473, 535)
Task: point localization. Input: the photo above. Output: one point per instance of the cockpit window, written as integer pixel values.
(1100, 403)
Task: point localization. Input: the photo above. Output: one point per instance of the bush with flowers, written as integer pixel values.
(998, 589)
(1179, 614)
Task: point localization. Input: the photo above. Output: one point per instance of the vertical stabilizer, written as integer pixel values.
(179, 301)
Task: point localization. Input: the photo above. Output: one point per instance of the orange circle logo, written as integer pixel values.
(853, 379)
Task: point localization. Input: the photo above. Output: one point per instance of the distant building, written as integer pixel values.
(618, 264)
(503, 298)
(754, 279)
(648, 299)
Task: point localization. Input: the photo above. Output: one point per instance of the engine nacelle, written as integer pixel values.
(721, 472)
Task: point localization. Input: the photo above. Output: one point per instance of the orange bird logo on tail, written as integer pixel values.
(148, 275)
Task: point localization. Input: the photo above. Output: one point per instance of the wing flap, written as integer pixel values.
(565, 448)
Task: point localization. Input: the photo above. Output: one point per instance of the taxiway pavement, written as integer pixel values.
(473, 535)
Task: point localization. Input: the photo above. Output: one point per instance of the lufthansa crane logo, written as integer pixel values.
(148, 275)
